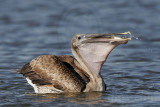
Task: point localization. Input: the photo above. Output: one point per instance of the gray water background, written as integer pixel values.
(29, 28)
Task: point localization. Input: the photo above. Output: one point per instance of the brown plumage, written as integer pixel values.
(48, 69)
(50, 73)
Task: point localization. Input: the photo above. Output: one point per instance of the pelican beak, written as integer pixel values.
(113, 38)
(95, 48)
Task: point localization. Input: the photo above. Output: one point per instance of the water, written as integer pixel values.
(29, 28)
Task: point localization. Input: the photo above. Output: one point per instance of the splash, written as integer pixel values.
(135, 37)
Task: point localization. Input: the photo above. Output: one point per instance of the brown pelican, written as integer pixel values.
(52, 74)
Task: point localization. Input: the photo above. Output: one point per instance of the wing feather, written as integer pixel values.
(50, 70)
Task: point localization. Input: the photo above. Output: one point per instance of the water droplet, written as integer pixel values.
(137, 38)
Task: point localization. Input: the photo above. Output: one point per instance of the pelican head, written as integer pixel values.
(92, 50)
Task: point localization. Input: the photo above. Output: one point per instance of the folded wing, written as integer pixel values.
(52, 73)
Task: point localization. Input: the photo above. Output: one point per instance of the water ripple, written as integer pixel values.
(32, 28)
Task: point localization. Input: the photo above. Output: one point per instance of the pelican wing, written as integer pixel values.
(49, 70)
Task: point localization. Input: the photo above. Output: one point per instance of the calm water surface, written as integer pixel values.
(29, 28)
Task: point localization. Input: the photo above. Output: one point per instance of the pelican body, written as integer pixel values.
(81, 73)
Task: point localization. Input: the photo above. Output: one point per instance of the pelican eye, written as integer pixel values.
(79, 38)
